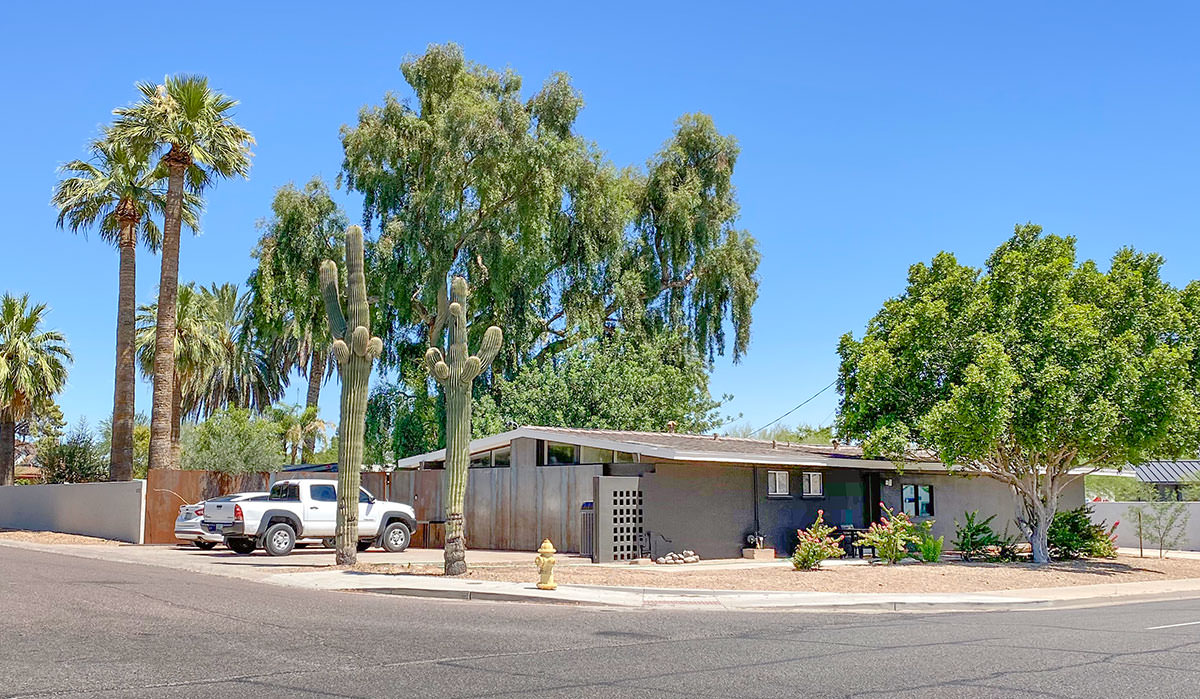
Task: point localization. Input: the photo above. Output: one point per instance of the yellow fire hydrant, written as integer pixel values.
(545, 566)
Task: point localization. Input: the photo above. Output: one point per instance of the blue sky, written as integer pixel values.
(873, 135)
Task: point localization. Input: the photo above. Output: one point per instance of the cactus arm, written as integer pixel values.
(436, 364)
(333, 300)
(489, 347)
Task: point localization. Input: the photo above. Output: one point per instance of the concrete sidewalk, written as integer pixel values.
(311, 571)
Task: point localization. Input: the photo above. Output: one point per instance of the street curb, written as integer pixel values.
(469, 595)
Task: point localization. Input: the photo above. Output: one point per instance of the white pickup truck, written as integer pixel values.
(305, 508)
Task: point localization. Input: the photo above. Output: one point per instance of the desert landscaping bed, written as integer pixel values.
(42, 537)
(914, 577)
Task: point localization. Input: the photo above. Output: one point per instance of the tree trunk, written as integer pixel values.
(161, 453)
(120, 459)
(1036, 522)
(1038, 540)
(8, 451)
(316, 376)
(176, 420)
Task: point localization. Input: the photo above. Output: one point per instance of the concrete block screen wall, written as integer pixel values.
(1108, 513)
(106, 510)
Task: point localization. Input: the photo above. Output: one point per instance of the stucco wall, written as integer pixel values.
(706, 508)
(1110, 512)
(105, 510)
(953, 496)
(780, 517)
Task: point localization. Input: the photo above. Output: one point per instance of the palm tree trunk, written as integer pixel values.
(316, 375)
(120, 460)
(176, 421)
(161, 453)
(8, 451)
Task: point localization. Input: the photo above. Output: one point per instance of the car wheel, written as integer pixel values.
(364, 545)
(279, 540)
(395, 537)
(242, 547)
(205, 545)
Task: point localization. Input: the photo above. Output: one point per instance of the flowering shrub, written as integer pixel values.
(815, 545)
(890, 536)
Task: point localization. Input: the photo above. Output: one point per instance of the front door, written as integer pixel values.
(368, 515)
(872, 486)
(320, 519)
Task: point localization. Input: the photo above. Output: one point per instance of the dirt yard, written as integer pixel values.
(38, 537)
(910, 577)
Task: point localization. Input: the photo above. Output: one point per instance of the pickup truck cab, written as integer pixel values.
(306, 508)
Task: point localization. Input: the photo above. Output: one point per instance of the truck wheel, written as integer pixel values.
(279, 539)
(205, 545)
(395, 537)
(242, 547)
(363, 545)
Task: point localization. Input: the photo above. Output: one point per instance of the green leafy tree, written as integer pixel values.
(1029, 372)
(77, 457)
(471, 178)
(188, 127)
(117, 192)
(1162, 522)
(299, 427)
(621, 382)
(33, 368)
(305, 228)
(233, 441)
(800, 434)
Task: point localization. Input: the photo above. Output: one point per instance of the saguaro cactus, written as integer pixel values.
(456, 372)
(355, 350)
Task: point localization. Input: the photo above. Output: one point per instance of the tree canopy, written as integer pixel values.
(474, 179)
(1028, 370)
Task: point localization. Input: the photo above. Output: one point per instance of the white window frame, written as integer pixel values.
(806, 484)
(916, 500)
(773, 483)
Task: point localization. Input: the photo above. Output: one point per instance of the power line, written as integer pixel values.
(806, 401)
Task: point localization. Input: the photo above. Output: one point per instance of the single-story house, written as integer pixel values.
(611, 493)
(1170, 478)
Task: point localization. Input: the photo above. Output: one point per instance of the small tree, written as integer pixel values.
(74, 458)
(1163, 522)
(1029, 371)
(233, 441)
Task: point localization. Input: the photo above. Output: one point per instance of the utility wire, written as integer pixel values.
(806, 401)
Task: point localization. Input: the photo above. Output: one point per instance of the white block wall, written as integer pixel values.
(106, 510)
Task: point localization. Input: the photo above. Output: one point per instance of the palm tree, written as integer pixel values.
(193, 124)
(196, 351)
(118, 193)
(300, 428)
(306, 227)
(249, 369)
(33, 367)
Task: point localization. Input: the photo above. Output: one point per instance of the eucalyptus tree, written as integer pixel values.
(305, 228)
(1032, 371)
(33, 367)
(117, 192)
(189, 127)
(475, 179)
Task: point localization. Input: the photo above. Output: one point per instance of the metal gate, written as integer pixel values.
(618, 518)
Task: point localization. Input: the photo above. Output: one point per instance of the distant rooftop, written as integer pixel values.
(1168, 471)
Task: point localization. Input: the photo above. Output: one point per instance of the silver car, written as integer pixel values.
(189, 528)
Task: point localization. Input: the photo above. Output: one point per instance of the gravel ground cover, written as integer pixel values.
(914, 577)
(39, 537)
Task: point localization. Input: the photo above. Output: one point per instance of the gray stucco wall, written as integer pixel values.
(781, 516)
(106, 510)
(953, 496)
(706, 508)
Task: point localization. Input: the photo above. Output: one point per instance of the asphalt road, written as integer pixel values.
(79, 627)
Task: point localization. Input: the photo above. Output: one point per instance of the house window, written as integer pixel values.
(483, 460)
(624, 457)
(559, 454)
(917, 500)
(813, 484)
(777, 483)
(502, 458)
(591, 455)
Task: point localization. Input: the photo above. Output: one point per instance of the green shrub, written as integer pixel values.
(1073, 535)
(815, 545)
(974, 539)
(890, 536)
(77, 457)
(1007, 549)
(928, 549)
